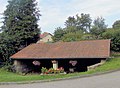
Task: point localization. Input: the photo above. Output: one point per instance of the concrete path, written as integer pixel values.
(111, 80)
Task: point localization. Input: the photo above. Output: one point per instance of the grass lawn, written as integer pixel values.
(5, 76)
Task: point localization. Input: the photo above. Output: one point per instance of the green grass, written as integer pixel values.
(112, 64)
(5, 76)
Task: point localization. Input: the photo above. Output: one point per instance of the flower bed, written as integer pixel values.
(52, 71)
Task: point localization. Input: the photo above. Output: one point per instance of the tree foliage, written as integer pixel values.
(73, 36)
(58, 34)
(98, 27)
(116, 24)
(20, 19)
(114, 35)
(82, 22)
(71, 21)
(20, 26)
(74, 27)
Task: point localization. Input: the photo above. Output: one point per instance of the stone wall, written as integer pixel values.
(19, 66)
(96, 65)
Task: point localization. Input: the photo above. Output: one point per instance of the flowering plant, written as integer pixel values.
(52, 70)
(44, 70)
(36, 62)
(73, 63)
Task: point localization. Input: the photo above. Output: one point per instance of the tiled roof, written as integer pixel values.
(81, 49)
(44, 34)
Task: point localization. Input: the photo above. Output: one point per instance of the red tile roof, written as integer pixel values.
(81, 49)
(44, 34)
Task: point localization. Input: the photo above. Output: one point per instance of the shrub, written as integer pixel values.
(7, 66)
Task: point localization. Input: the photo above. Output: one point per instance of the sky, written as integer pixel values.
(55, 12)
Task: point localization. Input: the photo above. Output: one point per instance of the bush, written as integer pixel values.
(7, 66)
(114, 35)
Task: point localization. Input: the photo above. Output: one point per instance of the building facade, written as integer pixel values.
(72, 56)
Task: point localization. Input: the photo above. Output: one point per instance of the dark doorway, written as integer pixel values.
(37, 68)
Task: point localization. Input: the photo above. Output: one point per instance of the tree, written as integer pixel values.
(58, 34)
(84, 22)
(20, 25)
(116, 24)
(21, 19)
(114, 35)
(73, 36)
(7, 47)
(71, 21)
(78, 23)
(98, 27)
(70, 25)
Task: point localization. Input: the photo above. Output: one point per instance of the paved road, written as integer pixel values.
(111, 80)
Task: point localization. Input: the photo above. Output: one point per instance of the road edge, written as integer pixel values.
(59, 79)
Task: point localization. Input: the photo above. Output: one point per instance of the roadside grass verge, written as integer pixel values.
(111, 64)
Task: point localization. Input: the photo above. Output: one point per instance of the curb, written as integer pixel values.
(58, 79)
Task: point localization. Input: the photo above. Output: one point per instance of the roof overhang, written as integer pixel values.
(59, 58)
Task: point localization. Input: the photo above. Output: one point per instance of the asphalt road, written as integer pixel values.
(110, 80)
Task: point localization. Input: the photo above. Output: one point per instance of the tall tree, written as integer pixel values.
(71, 21)
(98, 27)
(70, 25)
(20, 24)
(21, 20)
(84, 22)
(58, 34)
(116, 24)
(74, 26)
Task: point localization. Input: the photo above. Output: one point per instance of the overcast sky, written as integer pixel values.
(55, 12)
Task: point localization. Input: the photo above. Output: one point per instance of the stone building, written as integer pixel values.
(72, 56)
(45, 37)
